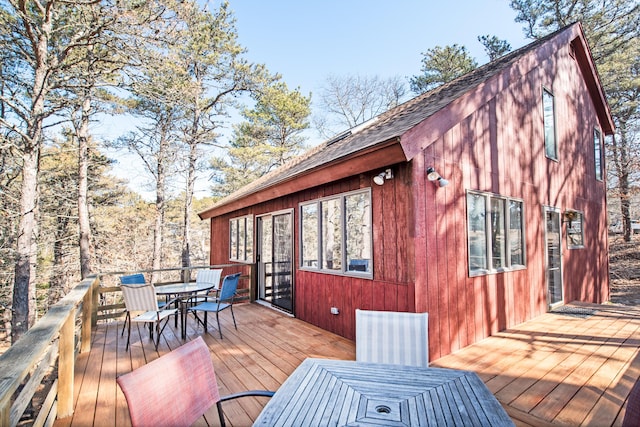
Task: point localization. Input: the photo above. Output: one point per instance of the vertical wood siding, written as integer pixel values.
(419, 229)
(499, 149)
(316, 293)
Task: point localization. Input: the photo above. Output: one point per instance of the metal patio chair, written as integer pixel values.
(176, 389)
(222, 301)
(392, 337)
(143, 299)
(131, 279)
(211, 277)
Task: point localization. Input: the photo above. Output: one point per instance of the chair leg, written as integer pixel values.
(127, 319)
(128, 336)
(157, 340)
(218, 319)
(233, 317)
(221, 414)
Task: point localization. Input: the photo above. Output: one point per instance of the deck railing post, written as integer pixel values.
(66, 365)
(95, 295)
(253, 284)
(5, 411)
(87, 317)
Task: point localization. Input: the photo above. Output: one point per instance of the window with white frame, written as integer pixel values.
(575, 236)
(336, 234)
(549, 119)
(495, 233)
(597, 152)
(241, 239)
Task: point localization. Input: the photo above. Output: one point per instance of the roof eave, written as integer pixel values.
(378, 156)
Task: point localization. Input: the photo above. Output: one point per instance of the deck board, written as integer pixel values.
(553, 370)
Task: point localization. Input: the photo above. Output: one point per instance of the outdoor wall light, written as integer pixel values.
(379, 179)
(434, 176)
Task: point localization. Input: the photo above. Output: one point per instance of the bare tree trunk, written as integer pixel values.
(622, 164)
(24, 290)
(159, 222)
(58, 285)
(188, 199)
(83, 189)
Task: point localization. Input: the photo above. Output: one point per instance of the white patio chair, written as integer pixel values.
(143, 298)
(211, 277)
(392, 337)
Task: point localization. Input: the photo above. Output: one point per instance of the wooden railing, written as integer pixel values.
(47, 352)
(50, 343)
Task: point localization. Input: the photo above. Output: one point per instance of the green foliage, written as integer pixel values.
(612, 28)
(441, 65)
(494, 47)
(269, 136)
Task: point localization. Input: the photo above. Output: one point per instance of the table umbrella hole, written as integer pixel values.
(382, 409)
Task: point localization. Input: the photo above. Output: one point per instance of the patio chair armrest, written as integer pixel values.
(175, 301)
(258, 393)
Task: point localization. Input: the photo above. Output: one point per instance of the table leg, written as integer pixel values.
(183, 319)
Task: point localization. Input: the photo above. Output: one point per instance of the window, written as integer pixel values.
(597, 153)
(575, 238)
(549, 118)
(335, 233)
(241, 239)
(495, 233)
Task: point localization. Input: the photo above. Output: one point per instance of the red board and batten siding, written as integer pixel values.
(499, 148)
(489, 140)
(315, 293)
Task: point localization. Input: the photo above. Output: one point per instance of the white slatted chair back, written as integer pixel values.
(140, 297)
(209, 277)
(392, 338)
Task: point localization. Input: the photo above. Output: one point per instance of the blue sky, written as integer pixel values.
(307, 40)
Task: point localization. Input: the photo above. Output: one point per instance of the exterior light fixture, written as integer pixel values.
(434, 176)
(382, 176)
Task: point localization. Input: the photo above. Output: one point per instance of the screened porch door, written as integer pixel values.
(275, 259)
(553, 251)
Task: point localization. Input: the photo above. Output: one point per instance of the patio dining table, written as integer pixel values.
(183, 290)
(323, 392)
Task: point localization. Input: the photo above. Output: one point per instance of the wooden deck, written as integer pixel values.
(558, 369)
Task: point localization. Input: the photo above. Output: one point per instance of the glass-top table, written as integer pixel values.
(183, 290)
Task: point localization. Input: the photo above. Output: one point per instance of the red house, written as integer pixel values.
(482, 202)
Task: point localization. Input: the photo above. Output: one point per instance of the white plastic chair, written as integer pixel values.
(392, 337)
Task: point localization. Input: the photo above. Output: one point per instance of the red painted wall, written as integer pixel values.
(420, 242)
(500, 149)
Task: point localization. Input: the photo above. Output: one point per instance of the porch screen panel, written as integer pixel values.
(282, 259)
(516, 235)
(233, 239)
(309, 235)
(498, 243)
(331, 235)
(477, 229)
(266, 246)
(358, 232)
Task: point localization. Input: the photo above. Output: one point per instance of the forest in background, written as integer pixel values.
(178, 68)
